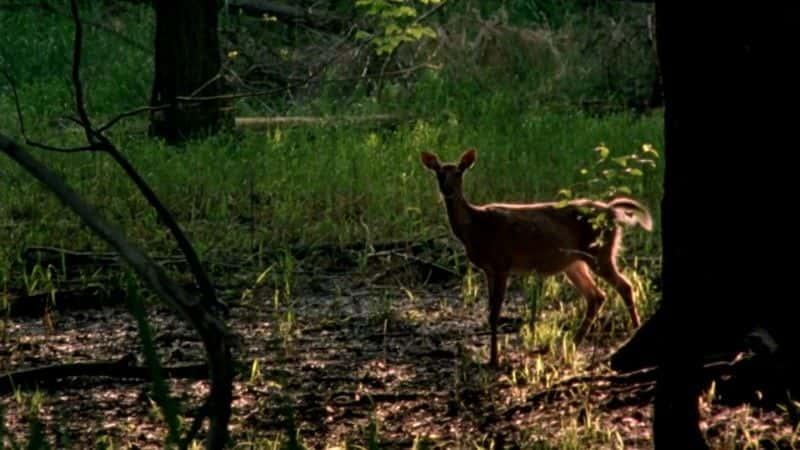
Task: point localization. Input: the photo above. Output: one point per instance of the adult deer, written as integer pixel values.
(547, 238)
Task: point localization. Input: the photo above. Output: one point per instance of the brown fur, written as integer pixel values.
(547, 238)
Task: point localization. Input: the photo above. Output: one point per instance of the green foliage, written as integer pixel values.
(394, 22)
(612, 176)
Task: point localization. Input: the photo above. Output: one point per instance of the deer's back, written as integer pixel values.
(542, 237)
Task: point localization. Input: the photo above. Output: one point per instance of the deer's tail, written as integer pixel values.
(631, 212)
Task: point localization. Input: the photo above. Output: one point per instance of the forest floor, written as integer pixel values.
(355, 360)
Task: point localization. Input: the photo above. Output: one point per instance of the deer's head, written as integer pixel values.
(449, 175)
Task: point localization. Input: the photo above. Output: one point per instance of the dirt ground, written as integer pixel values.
(344, 362)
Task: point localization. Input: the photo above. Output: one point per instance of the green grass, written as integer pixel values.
(309, 186)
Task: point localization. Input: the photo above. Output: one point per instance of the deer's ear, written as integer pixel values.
(467, 160)
(430, 160)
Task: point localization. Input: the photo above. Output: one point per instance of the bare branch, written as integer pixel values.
(304, 82)
(430, 12)
(205, 85)
(76, 75)
(150, 272)
(85, 148)
(16, 102)
(30, 142)
(99, 142)
(184, 98)
(216, 336)
(130, 113)
(213, 332)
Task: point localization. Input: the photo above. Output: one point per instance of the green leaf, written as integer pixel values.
(621, 160)
(603, 151)
(400, 11)
(386, 47)
(565, 193)
(416, 31)
(634, 171)
(649, 150)
(624, 190)
(392, 28)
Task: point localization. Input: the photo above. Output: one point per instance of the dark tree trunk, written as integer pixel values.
(187, 64)
(725, 76)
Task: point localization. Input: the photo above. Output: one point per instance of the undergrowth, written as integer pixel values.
(241, 195)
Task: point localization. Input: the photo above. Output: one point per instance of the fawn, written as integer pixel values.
(547, 238)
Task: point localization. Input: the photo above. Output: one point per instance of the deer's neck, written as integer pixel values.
(460, 212)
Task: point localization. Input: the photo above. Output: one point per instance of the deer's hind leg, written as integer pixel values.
(606, 268)
(580, 276)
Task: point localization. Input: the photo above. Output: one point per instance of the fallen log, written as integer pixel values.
(73, 259)
(36, 305)
(124, 368)
(264, 123)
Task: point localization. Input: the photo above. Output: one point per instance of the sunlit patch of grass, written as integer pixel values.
(587, 432)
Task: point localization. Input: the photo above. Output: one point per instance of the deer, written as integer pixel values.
(547, 238)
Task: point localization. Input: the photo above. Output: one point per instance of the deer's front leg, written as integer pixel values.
(497, 289)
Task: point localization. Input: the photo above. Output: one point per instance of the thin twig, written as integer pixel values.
(130, 113)
(184, 98)
(76, 75)
(85, 148)
(429, 12)
(22, 125)
(205, 85)
(16, 102)
(302, 83)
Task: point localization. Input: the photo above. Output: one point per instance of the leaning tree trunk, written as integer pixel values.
(187, 64)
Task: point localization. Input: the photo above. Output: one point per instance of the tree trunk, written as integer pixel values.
(725, 74)
(187, 64)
